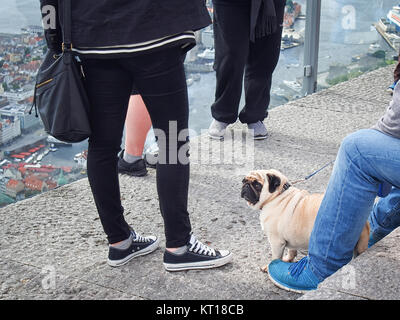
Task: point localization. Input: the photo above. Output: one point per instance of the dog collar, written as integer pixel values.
(286, 186)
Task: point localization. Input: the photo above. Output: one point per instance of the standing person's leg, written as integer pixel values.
(365, 159)
(161, 81)
(108, 87)
(137, 125)
(231, 38)
(261, 62)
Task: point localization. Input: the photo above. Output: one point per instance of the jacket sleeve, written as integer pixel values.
(51, 23)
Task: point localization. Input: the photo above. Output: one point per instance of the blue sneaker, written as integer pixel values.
(390, 89)
(295, 277)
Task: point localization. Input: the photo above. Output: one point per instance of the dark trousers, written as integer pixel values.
(235, 56)
(160, 79)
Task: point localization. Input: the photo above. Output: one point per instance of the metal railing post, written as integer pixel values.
(311, 46)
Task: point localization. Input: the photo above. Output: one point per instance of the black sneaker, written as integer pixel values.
(140, 246)
(136, 169)
(196, 256)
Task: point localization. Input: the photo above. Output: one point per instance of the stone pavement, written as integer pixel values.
(52, 246)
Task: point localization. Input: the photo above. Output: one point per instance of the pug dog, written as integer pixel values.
(287, 214)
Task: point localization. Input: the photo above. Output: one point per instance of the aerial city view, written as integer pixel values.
(32, 162)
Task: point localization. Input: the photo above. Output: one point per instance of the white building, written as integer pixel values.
(18, 96)
(207, 38)
(27, 120)
(9, 129)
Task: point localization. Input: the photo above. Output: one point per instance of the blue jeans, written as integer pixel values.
(385, 215)
(366, 158)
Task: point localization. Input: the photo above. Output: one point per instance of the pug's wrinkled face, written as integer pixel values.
(262, 186)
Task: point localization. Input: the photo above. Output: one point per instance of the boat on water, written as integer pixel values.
(394, 17)
(389, 28)
(199, 67)
(196, 77)
(292, 38)
(51, 139)
(81, 158)
(207, 54)
(52, 148)
(294, 85)
(189, 81)
(4, 162)
(29, 160)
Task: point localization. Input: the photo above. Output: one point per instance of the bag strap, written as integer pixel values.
(67, 37)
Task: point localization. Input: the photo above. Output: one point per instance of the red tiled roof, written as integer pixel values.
(12, 183)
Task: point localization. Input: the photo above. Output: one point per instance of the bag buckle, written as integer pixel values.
(64, 47)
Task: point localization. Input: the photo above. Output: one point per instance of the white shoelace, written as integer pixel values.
(201, 248)
(139, 238)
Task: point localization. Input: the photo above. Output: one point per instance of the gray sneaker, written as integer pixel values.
(217, 129)
(258, 130)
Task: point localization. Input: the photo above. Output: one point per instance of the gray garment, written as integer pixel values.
(390, 122)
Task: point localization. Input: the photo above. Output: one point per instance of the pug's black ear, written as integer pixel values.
(273, 183)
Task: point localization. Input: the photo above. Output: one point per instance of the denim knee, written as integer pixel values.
(350, 143)
(359, 141)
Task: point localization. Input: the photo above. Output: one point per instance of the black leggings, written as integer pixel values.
(160, 79)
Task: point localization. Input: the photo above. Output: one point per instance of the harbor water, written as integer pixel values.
(346, 31)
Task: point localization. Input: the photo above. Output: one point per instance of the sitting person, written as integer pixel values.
(366, 160)
(390, 89)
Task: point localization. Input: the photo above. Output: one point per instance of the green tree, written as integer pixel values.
(290, 5)
(15, 86)
(5, 86)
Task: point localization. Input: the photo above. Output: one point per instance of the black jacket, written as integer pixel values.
(98, 23)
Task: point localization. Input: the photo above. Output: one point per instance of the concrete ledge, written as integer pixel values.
(374, 275)
(53, 247)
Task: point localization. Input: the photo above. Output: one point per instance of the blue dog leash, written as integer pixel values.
(314, 173)
(383, 191)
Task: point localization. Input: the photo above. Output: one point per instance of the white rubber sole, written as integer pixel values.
(149, 249)
(286, 288)
(260, 137)
(199, 265)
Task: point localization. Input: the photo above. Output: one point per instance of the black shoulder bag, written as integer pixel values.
(60, 95)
